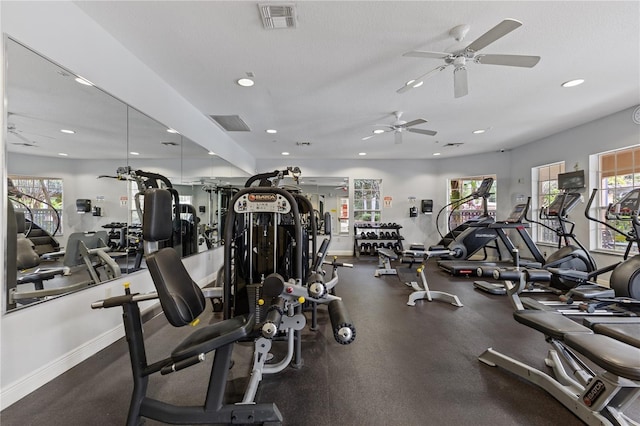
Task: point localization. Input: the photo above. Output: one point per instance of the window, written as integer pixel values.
(38, 197)
(367, 200)
(545, 182)
(459, 188)
(618, 172)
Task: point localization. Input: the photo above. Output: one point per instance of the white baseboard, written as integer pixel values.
(43, 375)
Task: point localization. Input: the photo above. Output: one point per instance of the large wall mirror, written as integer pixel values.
(76, 157)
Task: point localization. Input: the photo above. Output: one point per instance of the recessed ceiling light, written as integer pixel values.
(63, 154)
(418, 84)
(573, 83)
(170, 130)
(70, 132)
(378, 131)
(436, 153)
(134, 153)
(211, 153)
(285, 153)
(362, 153)
(479, 131)
(271, 131)
(84, 81)
(245, 82)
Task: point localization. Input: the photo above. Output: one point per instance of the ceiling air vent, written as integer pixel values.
(276, 16)
(454, 144)
(231, 123)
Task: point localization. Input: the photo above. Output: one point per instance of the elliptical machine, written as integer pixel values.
(571, 254)
(625, 275)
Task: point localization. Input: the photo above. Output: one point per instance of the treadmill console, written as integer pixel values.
(517, 214)
(563, 204)
(485, 188)
(628, 206)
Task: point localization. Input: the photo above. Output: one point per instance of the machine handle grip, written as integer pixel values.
(121, 300)
(180, 365)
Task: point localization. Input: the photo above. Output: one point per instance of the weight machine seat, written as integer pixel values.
(613, 355)
(182, 302)
(214, 336)
(552, 324)
(627, 333)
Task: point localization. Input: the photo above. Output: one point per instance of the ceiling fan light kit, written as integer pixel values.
(460, 57)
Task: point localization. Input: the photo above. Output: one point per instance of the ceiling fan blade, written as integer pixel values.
(415, 82)
(508, 60)
(22, 138)
(412, 123)
(423, 132)
(499, 31)
(425, 54)
(460, 87)
(397, 137)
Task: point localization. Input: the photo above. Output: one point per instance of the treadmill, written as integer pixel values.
(477, 233)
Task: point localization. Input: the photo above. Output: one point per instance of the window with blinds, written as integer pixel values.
(618, 173)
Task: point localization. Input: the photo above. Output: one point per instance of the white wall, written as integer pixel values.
(38, 343)
(574, 146)
(401, 179)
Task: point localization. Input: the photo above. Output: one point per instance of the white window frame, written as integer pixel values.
(622, 163)
(541, 196)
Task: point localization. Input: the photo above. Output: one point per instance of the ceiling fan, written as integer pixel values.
(398, 126)
(11, 128)
(461, 57)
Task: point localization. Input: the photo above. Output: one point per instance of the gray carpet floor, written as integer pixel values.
(408, 366)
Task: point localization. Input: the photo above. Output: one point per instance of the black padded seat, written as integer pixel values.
(614, 356)
(214, 336)
(551, 324)
(627, 333)
(388, 253)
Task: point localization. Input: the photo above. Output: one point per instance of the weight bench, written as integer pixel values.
(625, 329)
(416, 251)
(595, 397)
(385, 256)
(425, 293)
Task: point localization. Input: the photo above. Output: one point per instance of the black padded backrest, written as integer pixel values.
(157, 217)
(181, 299)
(327, 223)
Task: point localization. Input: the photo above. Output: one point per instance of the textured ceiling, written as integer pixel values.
(331, 79)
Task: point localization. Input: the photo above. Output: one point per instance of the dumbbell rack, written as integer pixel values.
(368, 238)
